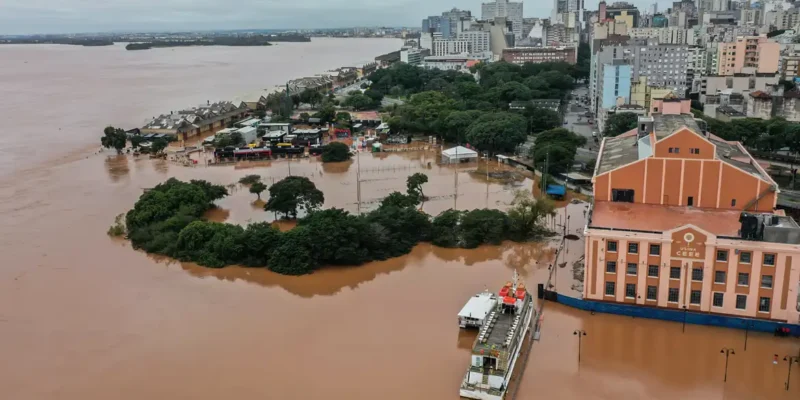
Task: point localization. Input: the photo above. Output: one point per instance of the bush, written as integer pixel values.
(250, 179)
(335, 152)
(118, 229)
(483, 226)
(444, 229)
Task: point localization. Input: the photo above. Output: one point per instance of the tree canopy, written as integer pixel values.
(257, 188)
(335, 152)
(620, 123)
(414, 185)
(360, 101)
(559, 146)
(497, 132)
(114, 138)
(293, 194)
(450, 104)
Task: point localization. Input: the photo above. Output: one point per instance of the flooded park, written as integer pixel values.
(84, 316)
(100, 319)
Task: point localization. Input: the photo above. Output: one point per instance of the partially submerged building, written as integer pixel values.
(196, 121)
(685, 220)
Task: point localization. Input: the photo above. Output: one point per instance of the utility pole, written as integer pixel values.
(358, 181)
(455, 183)
(487, 178)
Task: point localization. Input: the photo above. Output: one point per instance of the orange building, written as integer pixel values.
(683, 219)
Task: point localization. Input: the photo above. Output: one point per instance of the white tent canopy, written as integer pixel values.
(458, 154)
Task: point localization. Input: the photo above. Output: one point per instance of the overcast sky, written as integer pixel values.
(68, 16)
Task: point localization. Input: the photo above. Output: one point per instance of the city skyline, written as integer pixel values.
(76, 16)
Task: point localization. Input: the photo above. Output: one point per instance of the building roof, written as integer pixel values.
(729, 111)
(461, 151)
(660, 218)
(479, 306)
(623, 149)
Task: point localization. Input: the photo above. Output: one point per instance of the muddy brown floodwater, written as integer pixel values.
(83, 316)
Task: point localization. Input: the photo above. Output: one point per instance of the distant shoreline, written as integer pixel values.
(73, 42)
(259, 40)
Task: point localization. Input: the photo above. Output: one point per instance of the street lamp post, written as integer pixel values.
(728, 352)
(790, 360)
(579, 333)
(684, 319)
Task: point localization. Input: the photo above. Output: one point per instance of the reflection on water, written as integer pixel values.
(217, 214)
(117, 167)
(337, 167)
(466, 338)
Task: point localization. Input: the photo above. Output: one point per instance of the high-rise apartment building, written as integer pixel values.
(510, 10)
(450, 47)
(448, 24)
(479, 41)
(625, 12)
(748, 54)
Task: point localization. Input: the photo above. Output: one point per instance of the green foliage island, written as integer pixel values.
(212, 41)
(168, 220)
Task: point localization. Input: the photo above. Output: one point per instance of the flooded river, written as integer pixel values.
(83, 316)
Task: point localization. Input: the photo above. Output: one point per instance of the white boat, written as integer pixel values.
(499, 342)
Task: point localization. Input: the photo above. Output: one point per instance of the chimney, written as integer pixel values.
(602, 11)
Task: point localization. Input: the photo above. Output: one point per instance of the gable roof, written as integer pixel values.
(622, 150)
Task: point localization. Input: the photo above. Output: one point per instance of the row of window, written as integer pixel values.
(697, 274)
(694, 296)
(722, 255)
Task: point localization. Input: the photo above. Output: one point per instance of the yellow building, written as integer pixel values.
(643, 95)
(626, 18)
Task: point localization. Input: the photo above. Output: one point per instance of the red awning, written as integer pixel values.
(509, 300)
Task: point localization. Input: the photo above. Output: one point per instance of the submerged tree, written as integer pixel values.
(526, 215)
(336, 151)
(250, 179)
(114, 138)
(414, 184)
(257, 188)
(292, 193)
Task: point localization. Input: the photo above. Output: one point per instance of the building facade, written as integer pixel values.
(684, 220)
(510, 10)
(615, 84)
(478, 41)
(448, 47)
(748, 54)
(522, 55)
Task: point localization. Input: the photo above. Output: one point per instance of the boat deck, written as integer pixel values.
(498, 329)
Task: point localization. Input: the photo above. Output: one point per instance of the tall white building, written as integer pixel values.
(479, 41)
(450, 47)
(507, 9)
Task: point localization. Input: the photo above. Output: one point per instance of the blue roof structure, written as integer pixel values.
(556, 190)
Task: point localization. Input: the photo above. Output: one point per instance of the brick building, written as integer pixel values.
(685, 220)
